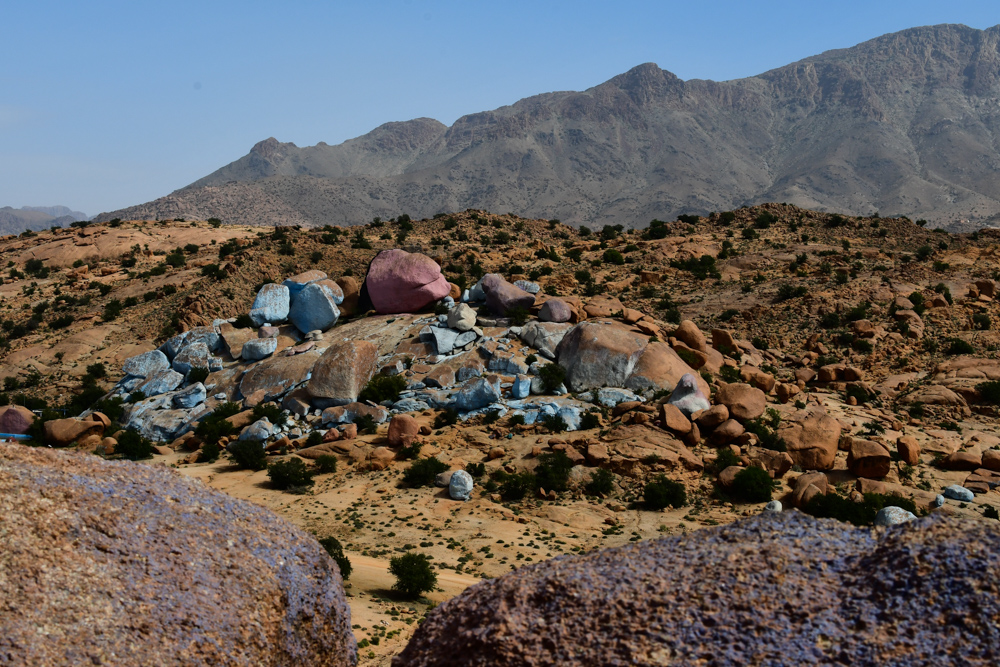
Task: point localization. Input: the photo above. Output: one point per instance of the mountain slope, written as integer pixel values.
(905, 124)
(15, 221)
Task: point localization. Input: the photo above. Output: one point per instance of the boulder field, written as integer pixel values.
(109, 563)
(786, 589)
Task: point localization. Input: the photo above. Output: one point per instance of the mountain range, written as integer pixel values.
(903, 124)
(17, 220)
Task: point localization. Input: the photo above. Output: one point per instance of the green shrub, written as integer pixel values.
(248, 454)
(552, 377)
(832, 506)
(326, 464)
(552, 472)
(981, 321)
(243, 321)
(723, 460)
(612, 256)
(422, 472)
(112, 310)
(662, 492)
(269, 411)
(724, 316)
(752, 485)
(517, 315)
(555, 423)
(383, 388)
(209, 452)
(133, 446)
(786, 292)
(366, 424)
(413, 573)
(336, 551)
(703, 267)
(446, 417)
(476, 470)
(290, 475)
(989, 392)
(196, 375)
(517, 486)
(97, 370)
(958, 346)
(602, 483)
(589, 420)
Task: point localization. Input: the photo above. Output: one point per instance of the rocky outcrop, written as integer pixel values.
(343, 371)
(645, 603)
(118, 559)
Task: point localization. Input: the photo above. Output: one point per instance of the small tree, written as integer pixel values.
(133, 446)
(291, 475)
(336, 551)
(248, 454)
(423, 472)
(413, 573)
(661, 492)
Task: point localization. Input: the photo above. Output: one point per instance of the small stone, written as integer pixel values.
(893, 516)
(462, 318)
(960, 493)
(773, 506)
(259, 348)
(460, 485)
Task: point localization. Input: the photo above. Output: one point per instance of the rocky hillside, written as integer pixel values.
(566, 389)
(35, 218)
(903, 124)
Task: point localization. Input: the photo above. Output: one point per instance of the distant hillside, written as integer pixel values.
(17, 220)
(904, 124)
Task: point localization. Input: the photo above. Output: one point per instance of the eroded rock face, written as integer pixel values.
(812, 438)
(560, 612)
(15, 419)
(403, 282)
(503, 297)
(343, 371)
(271, 304)
(175, 576)
(315, 308)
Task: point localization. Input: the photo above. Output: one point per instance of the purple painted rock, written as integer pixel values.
(403, 282)
(688, 397)
(502, 297)
(555, 310)
(15, 419)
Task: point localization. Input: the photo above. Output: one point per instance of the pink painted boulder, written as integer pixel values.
(403, 282)
(555, 310)
(502, 296)
(15, 419)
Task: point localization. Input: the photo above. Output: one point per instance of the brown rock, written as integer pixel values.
(962, 461)
(15, 419)
(94, 558)
(776, 463)
(64, 432)
(744, 402)
(603, 306)
(758, 378)
(727, 432)
(728, 476)
(689, 333)
(343, 371)
(403, 430)
(711, 418)
(597, 454)
(380, 458)
(349, 431)
(864, 485)
(868, 459)
(673, 419)
(786, 392)
(991, 459)
(811, 438)
(723, 341)
(332, 435)
(909, 450)
(352, 290)
(496, 453)
(808, 486)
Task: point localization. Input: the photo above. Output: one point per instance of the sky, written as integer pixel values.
(108, 104)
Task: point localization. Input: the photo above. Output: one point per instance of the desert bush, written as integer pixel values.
(589, 420)
(422, 472)
(446, 417)
(552, 377)
(196, 375)
(133, 446)
(552, 472)
(326, 464)
(752, 485)
(336, 551)
(833, 506)
(958, 346)
(662, 492)
(269, 411)
(248, 454)
(554, 423)
(290, 475)
(723, 460)
(517, 486)
(476, 470)
(366, 424)
(989, 392)
(413, 573)
(981, 321)
(602, 483)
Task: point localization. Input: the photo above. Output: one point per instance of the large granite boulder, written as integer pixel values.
(15, 419)
(271, 304)
(403, 282)
(125, 563)
(503, 297)
(476, 393)
(256, 349)
(744, 401)
(196, 355)
(352, 291)
(688, 398)
(660, 367)
(64, 432)
(161, 382)
(315, 308)
(812, 438)
(276, 376)
(343, 371)
(145, 364)
(814, 584)
(297, 283)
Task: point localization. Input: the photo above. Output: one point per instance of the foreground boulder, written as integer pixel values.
(118, 559)
(403, 282)
(15, 419)
(646, 603)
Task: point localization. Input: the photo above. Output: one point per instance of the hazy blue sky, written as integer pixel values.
(108, 104)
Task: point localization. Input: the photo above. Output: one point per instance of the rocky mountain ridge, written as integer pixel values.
(35, 218)
(904, 124)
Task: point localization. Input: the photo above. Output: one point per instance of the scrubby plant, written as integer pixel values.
(752, 485)
(554, 423)
(602, 483)
(725, 458)
(589, 420)
(290, 475)
(248, 454)
(422, 472)
(269, 411)
(662, 492)
(552, 471)
(552, 377)
(325, 464)
(383, 388)
(958, 346)
(366, 424)
(989, 392)
(243, 321)
(981, 321)
(413, 573)
(196, 375)
(209, 452)
(133, 446)
(833, 506)
(517, 485)
(476, 470)
(446, 417)
(336, 551)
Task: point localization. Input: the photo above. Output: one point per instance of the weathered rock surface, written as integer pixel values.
(403, 282)
(258, 348)
(315, 308)
(132, 563)
(812, 438)
(343, 371)
(145, 364)
(15, 419)
(64, 432)
(744, 401)
(460, 485)
(559, 611)
(502, 296)
(270, 305)
(555, 310)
